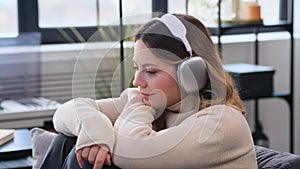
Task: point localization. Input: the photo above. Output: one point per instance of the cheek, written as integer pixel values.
(159, 99)
(166, 91)
(173, 95)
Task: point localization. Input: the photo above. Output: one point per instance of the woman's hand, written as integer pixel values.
(95, 154)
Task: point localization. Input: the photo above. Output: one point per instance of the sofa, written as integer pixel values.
(266, 158)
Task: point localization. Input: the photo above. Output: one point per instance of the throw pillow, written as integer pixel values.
(41, 139)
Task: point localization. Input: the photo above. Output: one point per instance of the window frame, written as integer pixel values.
(28, 21)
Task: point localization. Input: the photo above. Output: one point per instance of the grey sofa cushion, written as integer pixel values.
(272, 159)
(41, 139)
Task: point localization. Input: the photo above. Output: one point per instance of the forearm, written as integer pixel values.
(135, 121)
(81, 117)
(68, 118)
(154, 149)
(139, 146)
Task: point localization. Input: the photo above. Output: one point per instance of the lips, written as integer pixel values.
(145, 95)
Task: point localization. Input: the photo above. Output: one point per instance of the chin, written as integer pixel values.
(146, 102)
(156, 105)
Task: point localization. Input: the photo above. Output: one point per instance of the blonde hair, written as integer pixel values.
(232, 97)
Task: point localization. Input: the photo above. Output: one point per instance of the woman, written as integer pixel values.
(184, 113)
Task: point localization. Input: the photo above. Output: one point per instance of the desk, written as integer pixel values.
(17, 152)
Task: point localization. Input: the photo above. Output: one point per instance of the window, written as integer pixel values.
(109, 12)
(78, 13)
(136, 11)
(206, 10)
(8, 18)
(177, 6)
(270, 10)
(57, 18)
(65, 21)
(67, 13)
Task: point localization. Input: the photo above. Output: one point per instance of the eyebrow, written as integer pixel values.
(146, 64)
(143, 65)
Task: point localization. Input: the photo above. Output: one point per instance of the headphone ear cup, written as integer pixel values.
(192, 74)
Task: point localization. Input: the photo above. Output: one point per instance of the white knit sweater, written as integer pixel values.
(215, 137)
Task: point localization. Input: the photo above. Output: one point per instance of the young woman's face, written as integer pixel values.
(155, 79)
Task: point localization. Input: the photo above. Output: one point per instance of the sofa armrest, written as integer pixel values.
(272, 159)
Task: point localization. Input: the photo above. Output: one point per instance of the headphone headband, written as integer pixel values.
(191, 73)
(177, 29)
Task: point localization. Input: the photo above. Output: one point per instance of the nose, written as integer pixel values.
(139, 80)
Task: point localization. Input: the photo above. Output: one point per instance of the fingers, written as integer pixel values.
(107, 160)
(85, 152)
(79, 158)
(95, 154)
(101, 158)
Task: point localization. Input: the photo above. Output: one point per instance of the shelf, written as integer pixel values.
(232, 29)
(220, 29)
(279, 94)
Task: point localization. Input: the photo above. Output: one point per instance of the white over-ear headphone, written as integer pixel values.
(191, 73)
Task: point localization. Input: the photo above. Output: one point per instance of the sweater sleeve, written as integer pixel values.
(196, 142)
(90, 120)
(81, 117)
(138, 146)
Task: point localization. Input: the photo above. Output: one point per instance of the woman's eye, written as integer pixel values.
(150, 71)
